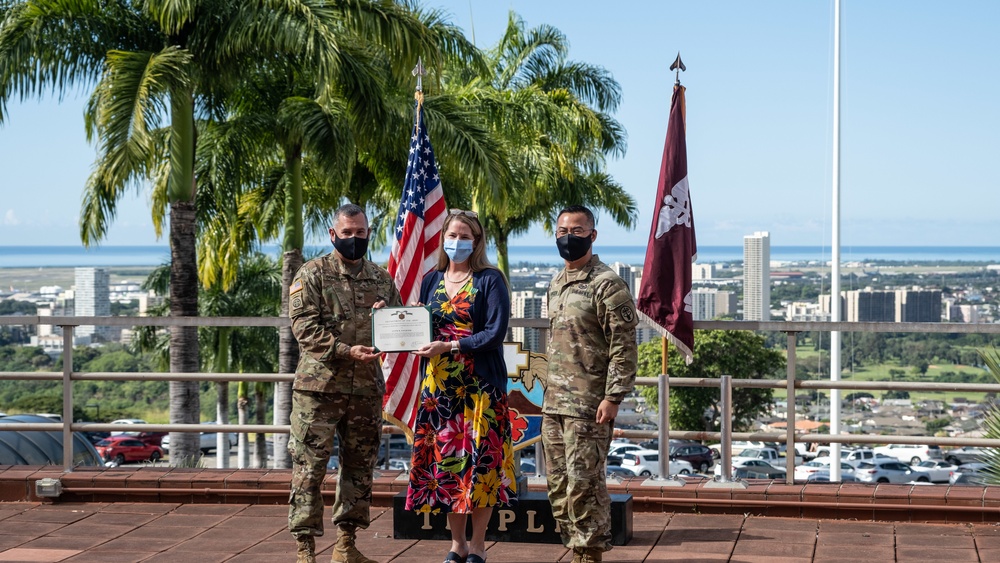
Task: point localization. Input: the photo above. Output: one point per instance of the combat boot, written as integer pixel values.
(591, 556)
(577, 554)
(306, 549)
(345, 551)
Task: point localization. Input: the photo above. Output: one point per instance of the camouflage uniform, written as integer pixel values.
(592, 356)
(330, 308)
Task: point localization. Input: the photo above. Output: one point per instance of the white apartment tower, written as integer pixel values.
(92, 299)
(757, 277)
(527, 305)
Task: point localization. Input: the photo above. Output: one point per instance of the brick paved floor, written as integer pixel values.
(205, 533)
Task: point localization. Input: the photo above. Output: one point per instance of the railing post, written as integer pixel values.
(790, 410)
(67, 382)
(726, 480)
(726, 427)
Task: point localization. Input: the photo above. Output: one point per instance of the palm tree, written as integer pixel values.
(308, 144)
(158, 57)
(225, 349)
(553, 117)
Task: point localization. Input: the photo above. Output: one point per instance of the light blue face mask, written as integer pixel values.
(458, 250)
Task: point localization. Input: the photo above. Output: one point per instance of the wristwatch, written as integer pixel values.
(454, 347)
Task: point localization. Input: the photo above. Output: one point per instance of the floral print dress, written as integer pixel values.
(462, 452)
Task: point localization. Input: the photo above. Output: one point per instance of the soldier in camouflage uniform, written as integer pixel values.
(338, 386)
(592, 358)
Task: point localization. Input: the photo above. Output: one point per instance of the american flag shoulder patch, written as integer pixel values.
(296, 287)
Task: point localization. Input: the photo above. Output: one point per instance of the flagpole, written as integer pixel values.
(835, 306)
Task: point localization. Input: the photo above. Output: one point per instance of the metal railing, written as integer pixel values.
(67, 376)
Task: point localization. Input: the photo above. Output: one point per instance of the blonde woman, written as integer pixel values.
(462, 457)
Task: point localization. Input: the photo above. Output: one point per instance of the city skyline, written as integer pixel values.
(919, 121)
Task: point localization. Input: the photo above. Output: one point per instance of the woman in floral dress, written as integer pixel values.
(463, 461)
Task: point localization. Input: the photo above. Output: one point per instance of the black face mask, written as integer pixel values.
(572, 247)
(352, 248)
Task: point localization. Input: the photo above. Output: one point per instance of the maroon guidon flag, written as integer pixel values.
(665, 292)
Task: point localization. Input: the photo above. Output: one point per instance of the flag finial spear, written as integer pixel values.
(678, 66)
(419, 72)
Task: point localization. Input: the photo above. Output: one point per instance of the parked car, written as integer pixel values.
(969, 474)
(934, 471)
(824, 477)
(93, 436)
(208, 441)
(766, 471)
(614, 459)
(151, 438)
(647, 462)
(965, 454)
(770, 455)
(849, 455)
(122, 449)
(620, 449)
(884, 470)
(699, 456)
(619, 471)
(126, 421)
(804, 471)
(910, 453)
(746, 464)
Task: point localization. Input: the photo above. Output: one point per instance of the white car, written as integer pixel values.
(934, 471)
(884, 470)
(620, 449)
(820, 464)
(910, 453)
(126, 421)
(645, 463)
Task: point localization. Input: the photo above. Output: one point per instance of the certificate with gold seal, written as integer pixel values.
(401, 329)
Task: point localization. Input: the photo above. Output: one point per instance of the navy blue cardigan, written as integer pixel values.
(490, 317)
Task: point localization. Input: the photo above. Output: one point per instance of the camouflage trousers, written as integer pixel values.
(316, 418)
(576, 453)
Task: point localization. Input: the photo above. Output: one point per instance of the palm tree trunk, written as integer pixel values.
(242, 449)
(260, 444)
(503, 260)
(185, 403)
(222, 400)
(288, 348)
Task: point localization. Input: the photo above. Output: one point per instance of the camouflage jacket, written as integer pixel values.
(592, 350)
(331, 310)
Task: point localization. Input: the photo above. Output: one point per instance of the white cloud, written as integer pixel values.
(9, 218)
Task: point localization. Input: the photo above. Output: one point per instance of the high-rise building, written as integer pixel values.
(918, 305)
(867, 305)
(757, 276)
(702, 271)
(527, 305)
(708, 304)
(91, 299)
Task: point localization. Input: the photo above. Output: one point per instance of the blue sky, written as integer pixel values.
(920, 120)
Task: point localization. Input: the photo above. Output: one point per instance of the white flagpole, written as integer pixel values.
(835, 308)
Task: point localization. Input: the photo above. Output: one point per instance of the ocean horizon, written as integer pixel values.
(123, 256)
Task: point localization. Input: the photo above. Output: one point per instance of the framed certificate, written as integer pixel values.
(401, 329)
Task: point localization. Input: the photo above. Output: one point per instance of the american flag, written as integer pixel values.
(414, 253)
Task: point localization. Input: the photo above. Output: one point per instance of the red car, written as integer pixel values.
(127, 448)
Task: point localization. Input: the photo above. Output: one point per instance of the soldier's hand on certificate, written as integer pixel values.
(432, 349)
(362, 353)
(378, 305)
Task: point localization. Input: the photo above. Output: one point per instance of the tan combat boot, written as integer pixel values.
(306, 549)
(345, 552)
(591, 556)
(577, 554)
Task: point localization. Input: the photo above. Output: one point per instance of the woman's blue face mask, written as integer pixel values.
(458, 250)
